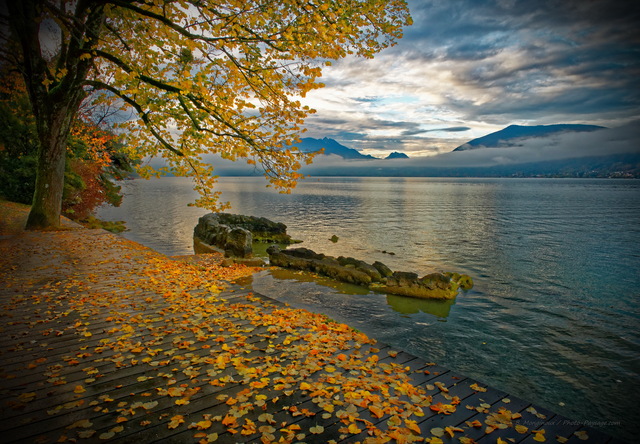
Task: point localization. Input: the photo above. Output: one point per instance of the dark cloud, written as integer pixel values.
(481, 65)
(575, 50)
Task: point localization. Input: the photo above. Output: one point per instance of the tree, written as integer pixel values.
(198, 76)
(93, 156)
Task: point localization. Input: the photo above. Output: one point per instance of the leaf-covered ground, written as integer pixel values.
(102, 339)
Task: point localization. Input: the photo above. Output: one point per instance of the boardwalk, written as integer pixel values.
(103, 340)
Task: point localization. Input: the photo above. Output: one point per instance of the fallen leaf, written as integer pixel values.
(27, 397)
(175, 421)
(437, 432)
(316, 430)
(86, 433)
(582, 435)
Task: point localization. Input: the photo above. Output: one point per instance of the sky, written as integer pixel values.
(467, 68)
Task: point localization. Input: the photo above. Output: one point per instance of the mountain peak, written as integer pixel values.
(397, 155)
(330, 146)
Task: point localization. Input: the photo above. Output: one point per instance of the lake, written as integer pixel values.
(553, 316)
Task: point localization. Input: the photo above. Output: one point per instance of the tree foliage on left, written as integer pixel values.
(94, 158)
(198, 77)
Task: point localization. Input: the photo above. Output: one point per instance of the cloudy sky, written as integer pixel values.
(467, 68)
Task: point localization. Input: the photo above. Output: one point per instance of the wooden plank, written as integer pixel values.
(120, 388)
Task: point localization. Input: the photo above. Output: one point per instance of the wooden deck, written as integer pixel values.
(102, 340)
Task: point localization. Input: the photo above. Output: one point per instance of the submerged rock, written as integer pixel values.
(377, 276)
(308, 260)
(433, 286)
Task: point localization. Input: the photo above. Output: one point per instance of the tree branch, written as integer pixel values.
(169, 23)
(126, 68)
(143, 114)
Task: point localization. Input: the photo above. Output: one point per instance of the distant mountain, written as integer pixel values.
(509, 136)
(330, 146)
(397, 155)
(611, 166)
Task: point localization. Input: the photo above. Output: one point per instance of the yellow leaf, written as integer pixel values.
(149, 405)
(437, 431)
(203, 425)
(106, 435)
(175, 391)
(316, 430)
(582, 435)
(79, 389)
(521, 429)
(26, 397)
(86, 433)
(539, 436)
(413, 426)
(175, 421)
(83, 423)
(451, 430)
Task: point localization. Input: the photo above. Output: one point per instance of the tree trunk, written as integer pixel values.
(55, 90)
(47, 198)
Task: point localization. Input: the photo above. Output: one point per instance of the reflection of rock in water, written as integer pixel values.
(400, 304)
(304, 276)
(436, 307)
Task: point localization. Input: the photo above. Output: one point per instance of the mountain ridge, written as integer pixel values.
(508, 137)
(331, 146)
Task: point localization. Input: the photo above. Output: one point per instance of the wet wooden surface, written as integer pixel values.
(84, 358)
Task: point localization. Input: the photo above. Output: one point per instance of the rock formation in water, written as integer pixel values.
(376, 276)
(235, 233)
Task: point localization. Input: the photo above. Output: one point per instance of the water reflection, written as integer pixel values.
(303, 276)
(400, 304)
(405, 305)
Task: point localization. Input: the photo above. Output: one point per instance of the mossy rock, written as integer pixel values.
(464, 281)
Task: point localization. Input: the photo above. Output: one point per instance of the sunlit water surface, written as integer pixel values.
(553, 316)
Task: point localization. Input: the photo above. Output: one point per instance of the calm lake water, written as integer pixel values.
(554, 313)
